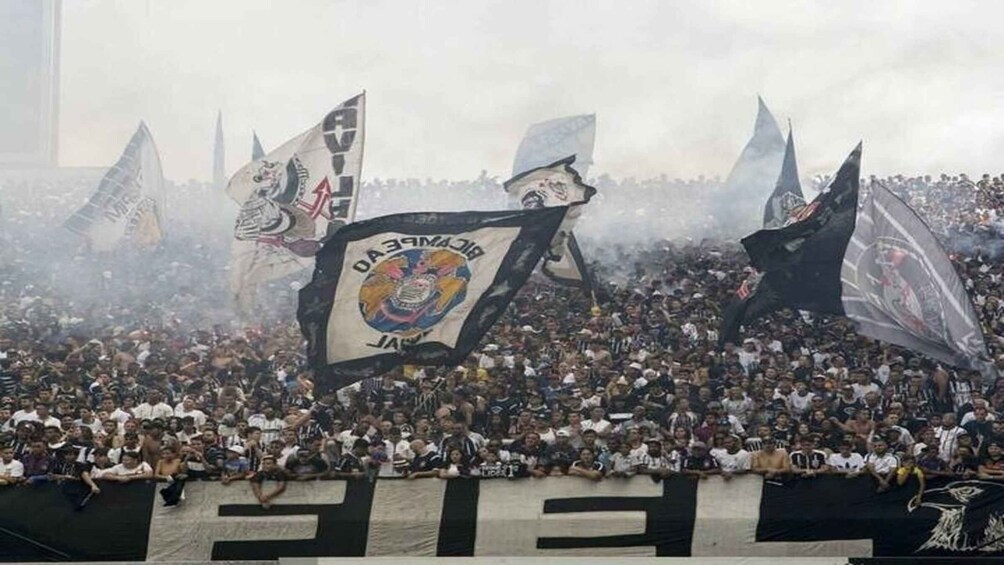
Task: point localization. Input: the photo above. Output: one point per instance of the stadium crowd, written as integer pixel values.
(138, 376)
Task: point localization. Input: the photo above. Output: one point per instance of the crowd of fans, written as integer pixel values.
(126, 368)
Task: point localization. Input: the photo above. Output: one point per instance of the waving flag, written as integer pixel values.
(419, 288)
(129, 202)
(557, 184)
(900, 287)
(798, 266)
(556, 139)
(787, 199)
(295, 197)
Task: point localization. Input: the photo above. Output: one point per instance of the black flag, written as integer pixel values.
(787, 198)
(800, 263)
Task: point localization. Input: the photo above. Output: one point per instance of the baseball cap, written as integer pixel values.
(239, 450)
(562, 433)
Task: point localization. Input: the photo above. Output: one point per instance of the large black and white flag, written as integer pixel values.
(295, 197)
(557, 184)
(419, 288)
(798, 265)
(753, 176)
(547, 142)
(787, 200)
(129, 202)
(899, 285)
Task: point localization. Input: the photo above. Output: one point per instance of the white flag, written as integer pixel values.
(129, 200)
(295, 197)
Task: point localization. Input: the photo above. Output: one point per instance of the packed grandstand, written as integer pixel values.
(131, 366)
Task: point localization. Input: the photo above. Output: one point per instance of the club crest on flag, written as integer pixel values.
(408, 293)
(890, 265)
(417, 288)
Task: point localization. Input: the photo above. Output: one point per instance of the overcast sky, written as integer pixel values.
(452, 84)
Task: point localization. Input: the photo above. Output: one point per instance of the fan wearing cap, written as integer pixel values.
(235, 465)
(306, 465)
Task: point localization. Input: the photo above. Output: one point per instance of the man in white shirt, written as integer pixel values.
(113, 412)
(154, 408)
(130, 469)
(11, 470)
(881, 464)
(87, 420)
(601, 426)
(732, 458)
(846, 462)
(40, 414)
(749, 355)
(187, 407)
(863, 385)
(399, 454)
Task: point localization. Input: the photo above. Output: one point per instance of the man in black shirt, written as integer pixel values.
(270, 471)
(325, 411)
(74, 477)
(353, 465)
(560, 456)
(387, 396)
(502, 404)
(426, 461)
(460, 440)
(807, 462)
(305, 465)
(700, 462)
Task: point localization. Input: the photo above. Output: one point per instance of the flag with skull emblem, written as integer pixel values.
(419, 288)
(293, 199)
(557, 184)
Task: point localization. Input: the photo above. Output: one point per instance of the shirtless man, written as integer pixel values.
(771, 461)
